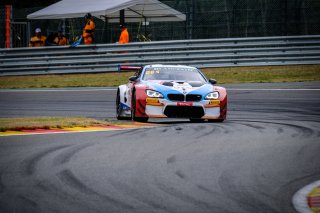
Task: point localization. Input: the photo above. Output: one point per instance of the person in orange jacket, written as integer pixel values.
(88, 29)
(38, 40)
(124, 36)
(61, 40)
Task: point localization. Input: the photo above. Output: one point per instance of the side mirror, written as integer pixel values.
(212, 81)
(133, 78)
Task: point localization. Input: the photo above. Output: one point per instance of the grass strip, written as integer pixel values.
(294, 73)
(265, 74)
(32, 123)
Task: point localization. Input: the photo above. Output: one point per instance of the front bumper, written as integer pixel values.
(161, 108)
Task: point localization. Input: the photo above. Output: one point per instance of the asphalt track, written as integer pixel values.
(254, 162)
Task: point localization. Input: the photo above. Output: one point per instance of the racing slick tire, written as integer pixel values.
(133, 110)
(119, 117)
(215, 120)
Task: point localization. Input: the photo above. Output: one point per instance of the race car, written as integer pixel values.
(171, 91)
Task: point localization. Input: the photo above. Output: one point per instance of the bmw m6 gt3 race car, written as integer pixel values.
(171, 91)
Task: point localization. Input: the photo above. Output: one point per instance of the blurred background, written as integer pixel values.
(204, 19)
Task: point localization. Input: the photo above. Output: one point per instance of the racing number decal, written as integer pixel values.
(151, 72)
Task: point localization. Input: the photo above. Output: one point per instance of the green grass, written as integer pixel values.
(71, 80)
(30, 123)
(294, 73)
(265, 74)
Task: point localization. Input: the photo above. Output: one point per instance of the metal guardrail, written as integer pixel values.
(200, 53)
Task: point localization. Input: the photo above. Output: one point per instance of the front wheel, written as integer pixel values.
(215, 120)
(118, 107)
(196, 120)
(133, 111)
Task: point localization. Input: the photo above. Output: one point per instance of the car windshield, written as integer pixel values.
(173, 74)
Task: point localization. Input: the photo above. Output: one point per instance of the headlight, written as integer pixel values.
(212, 95)
(154, 94)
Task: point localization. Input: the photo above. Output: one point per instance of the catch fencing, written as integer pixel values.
(257, 51)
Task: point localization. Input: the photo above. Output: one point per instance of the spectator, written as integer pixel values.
(61, 40)
(124, 36)
(38, 40)
(50, 39)
(88, 29)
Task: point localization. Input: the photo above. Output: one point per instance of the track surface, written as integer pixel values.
(254, 162)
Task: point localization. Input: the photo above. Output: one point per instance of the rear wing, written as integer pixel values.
(129, 68)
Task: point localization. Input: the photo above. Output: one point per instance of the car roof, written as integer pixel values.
(167, 65)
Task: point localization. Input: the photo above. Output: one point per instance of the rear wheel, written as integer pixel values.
(133, 110)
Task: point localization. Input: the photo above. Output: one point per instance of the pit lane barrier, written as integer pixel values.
(201, 53)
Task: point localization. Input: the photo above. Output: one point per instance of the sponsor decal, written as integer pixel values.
(214, 102)
(184, 104)
(124, 107)
(153, 102)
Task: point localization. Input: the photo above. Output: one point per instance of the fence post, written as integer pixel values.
(8, 43)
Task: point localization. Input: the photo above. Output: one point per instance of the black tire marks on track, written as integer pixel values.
(29, 165)
(183, 167)
(71, 180)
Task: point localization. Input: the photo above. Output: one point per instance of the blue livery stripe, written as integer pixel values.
(124, 106)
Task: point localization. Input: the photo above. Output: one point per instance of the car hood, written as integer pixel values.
(180, 87)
